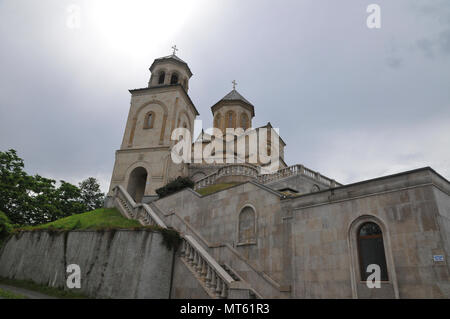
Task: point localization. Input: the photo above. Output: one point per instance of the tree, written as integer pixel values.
(91, 195)
(15, 185)
(5, 227)
(32, 200)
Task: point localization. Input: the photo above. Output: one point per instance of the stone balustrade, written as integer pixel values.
(215, 278)
(297, 170)
(209, 272)
(229, 170)
(141, 212)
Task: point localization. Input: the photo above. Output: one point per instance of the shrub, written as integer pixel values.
(174, 186)
(5, 227)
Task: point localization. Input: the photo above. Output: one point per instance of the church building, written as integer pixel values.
(290, 233)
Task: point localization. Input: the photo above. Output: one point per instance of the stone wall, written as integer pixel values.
(323, 228)
(114, 264)
(307, 244)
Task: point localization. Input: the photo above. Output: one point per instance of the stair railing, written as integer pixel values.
(216, 279)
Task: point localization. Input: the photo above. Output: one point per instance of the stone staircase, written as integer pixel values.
(217, 281)
(258, 283)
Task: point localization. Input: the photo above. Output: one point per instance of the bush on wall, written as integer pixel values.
(174, 186)
(5, 227)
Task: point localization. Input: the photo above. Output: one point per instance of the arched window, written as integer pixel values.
(217, 121)
(161, 78)
(244, 121)
(230, 119)
(174, 79)
(371, 249)
(247, 226)
(315, 188)
(149, 120)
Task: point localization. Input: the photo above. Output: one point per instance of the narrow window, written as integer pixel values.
(230, 120)
(149, 118)
(244, 121)
(217, 121)
(161, 78)
(371, 250)
(174, 79)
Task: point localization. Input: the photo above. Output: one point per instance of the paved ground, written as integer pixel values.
(24, 292)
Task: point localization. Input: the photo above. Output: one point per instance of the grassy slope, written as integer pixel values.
(9, 295)
(97, 219)
(215, 188)
(50, 291)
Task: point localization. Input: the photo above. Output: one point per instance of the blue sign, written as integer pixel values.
(438, 257)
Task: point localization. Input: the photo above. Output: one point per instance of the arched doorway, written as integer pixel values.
(136, 183)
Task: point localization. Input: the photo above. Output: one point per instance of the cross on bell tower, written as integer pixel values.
(175, 49)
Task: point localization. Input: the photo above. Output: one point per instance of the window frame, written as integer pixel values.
(253, 241)
(362, 270)
(162, 74)
(146, 124)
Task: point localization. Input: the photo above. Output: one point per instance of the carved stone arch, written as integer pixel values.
(244, 121)
(355, 269)
(246, 225)
(136, 116)
(315, 188)
(158, 74)
(141, 168)
(181, 112)
(218, 120)
(149, 120)
(227, 123)
(175, 77)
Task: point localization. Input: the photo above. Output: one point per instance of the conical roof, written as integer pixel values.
(235, 96)
(173, 58)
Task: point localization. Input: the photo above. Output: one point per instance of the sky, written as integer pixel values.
(351, 102)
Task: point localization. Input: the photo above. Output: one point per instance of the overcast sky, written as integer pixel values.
(351, 102)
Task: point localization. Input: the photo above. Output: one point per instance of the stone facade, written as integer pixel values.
(294, 233)
(307, 244)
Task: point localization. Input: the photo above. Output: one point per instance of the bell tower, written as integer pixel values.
(143, 162)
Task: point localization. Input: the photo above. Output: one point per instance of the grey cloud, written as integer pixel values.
(311, 68)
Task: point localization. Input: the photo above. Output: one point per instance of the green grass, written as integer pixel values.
(50, 291)
(102, 218)
(215, 188)
(9, 295)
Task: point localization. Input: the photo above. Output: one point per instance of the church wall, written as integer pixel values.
(325, 255)
(307, 243)
(215, 217)
(443, 219)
